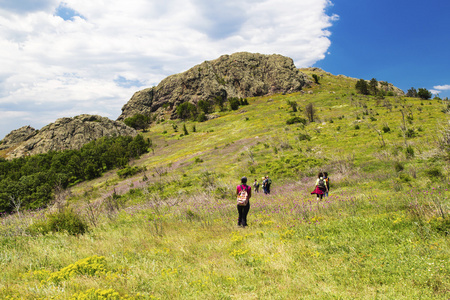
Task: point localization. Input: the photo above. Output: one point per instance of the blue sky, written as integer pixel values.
(402, 42)
(65, 58)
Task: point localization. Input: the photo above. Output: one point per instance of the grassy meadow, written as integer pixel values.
(170, 232)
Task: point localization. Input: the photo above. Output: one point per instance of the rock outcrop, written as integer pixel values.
(389, 87)
(238, 75)
(17, 136)
(65, 133)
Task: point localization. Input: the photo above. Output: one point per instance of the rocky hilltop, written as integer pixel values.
(64, 133)
(17, 136)
(237, 75)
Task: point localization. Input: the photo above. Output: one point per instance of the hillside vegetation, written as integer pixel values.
(165, 226)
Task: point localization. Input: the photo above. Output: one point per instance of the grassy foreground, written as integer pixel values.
(170, 232)
(347, 246)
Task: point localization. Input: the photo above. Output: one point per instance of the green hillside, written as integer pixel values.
(170, 230)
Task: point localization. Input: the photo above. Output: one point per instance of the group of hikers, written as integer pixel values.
(244, 193)
(266, 182)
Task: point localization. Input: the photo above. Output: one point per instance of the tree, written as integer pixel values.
(412, 92)
(292, 104)
(424, 94)
(316, 78)
(362, 87)
(187, 110)
(234, 103)
(310, 112)
(204, 106)
(373, 86)
(138, 121)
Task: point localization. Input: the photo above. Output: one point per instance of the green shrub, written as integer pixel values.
(409, 152)
(243, 101)
(316, 78)
(234, 103)
(296, 120)
(293, 105)
(65, 220)
(202, 117)
(404, 177)
(186, 111)
(128, 171)
(386, 129)
(441, 225)
(304, 137)
(434, 172)
(410, 133)
(398, 166)
(138, 121)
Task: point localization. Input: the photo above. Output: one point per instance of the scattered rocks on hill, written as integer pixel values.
(65, 133)
(238, 75)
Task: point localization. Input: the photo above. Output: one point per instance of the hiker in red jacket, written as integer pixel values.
(321, 187)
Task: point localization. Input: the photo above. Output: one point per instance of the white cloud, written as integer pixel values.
(435, 92)
(442, 87)
(94, 55)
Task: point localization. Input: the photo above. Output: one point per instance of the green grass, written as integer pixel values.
(170, 232)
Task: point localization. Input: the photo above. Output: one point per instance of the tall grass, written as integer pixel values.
(362, 245)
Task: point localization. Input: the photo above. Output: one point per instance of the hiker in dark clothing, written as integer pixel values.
(268, 183)
(327, 182)
(243, 209)
(264, 185)
(321, 187)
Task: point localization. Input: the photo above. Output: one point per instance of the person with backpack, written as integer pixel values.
(264, 184)
(256, 185)
(244, 193)
(321, 187)
(327, 182)
(268, 183)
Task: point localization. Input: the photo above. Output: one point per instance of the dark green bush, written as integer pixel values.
(295, 120)
(404, 177)
(316, 78)
(202, 117)
(409, 152)
(410, 133)
(129, 171)
(234, 103)
(304, 137)
(243, 101)
(398, 166)
(187, 111)
(138, 121)
(434, 172)
(65, 220)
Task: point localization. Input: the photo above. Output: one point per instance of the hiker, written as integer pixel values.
(327, 182)
(268, 183)
(321, 187)
(264, 185)
(256, 186)
(243, 207)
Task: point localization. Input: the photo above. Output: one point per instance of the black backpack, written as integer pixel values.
(321, 183)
